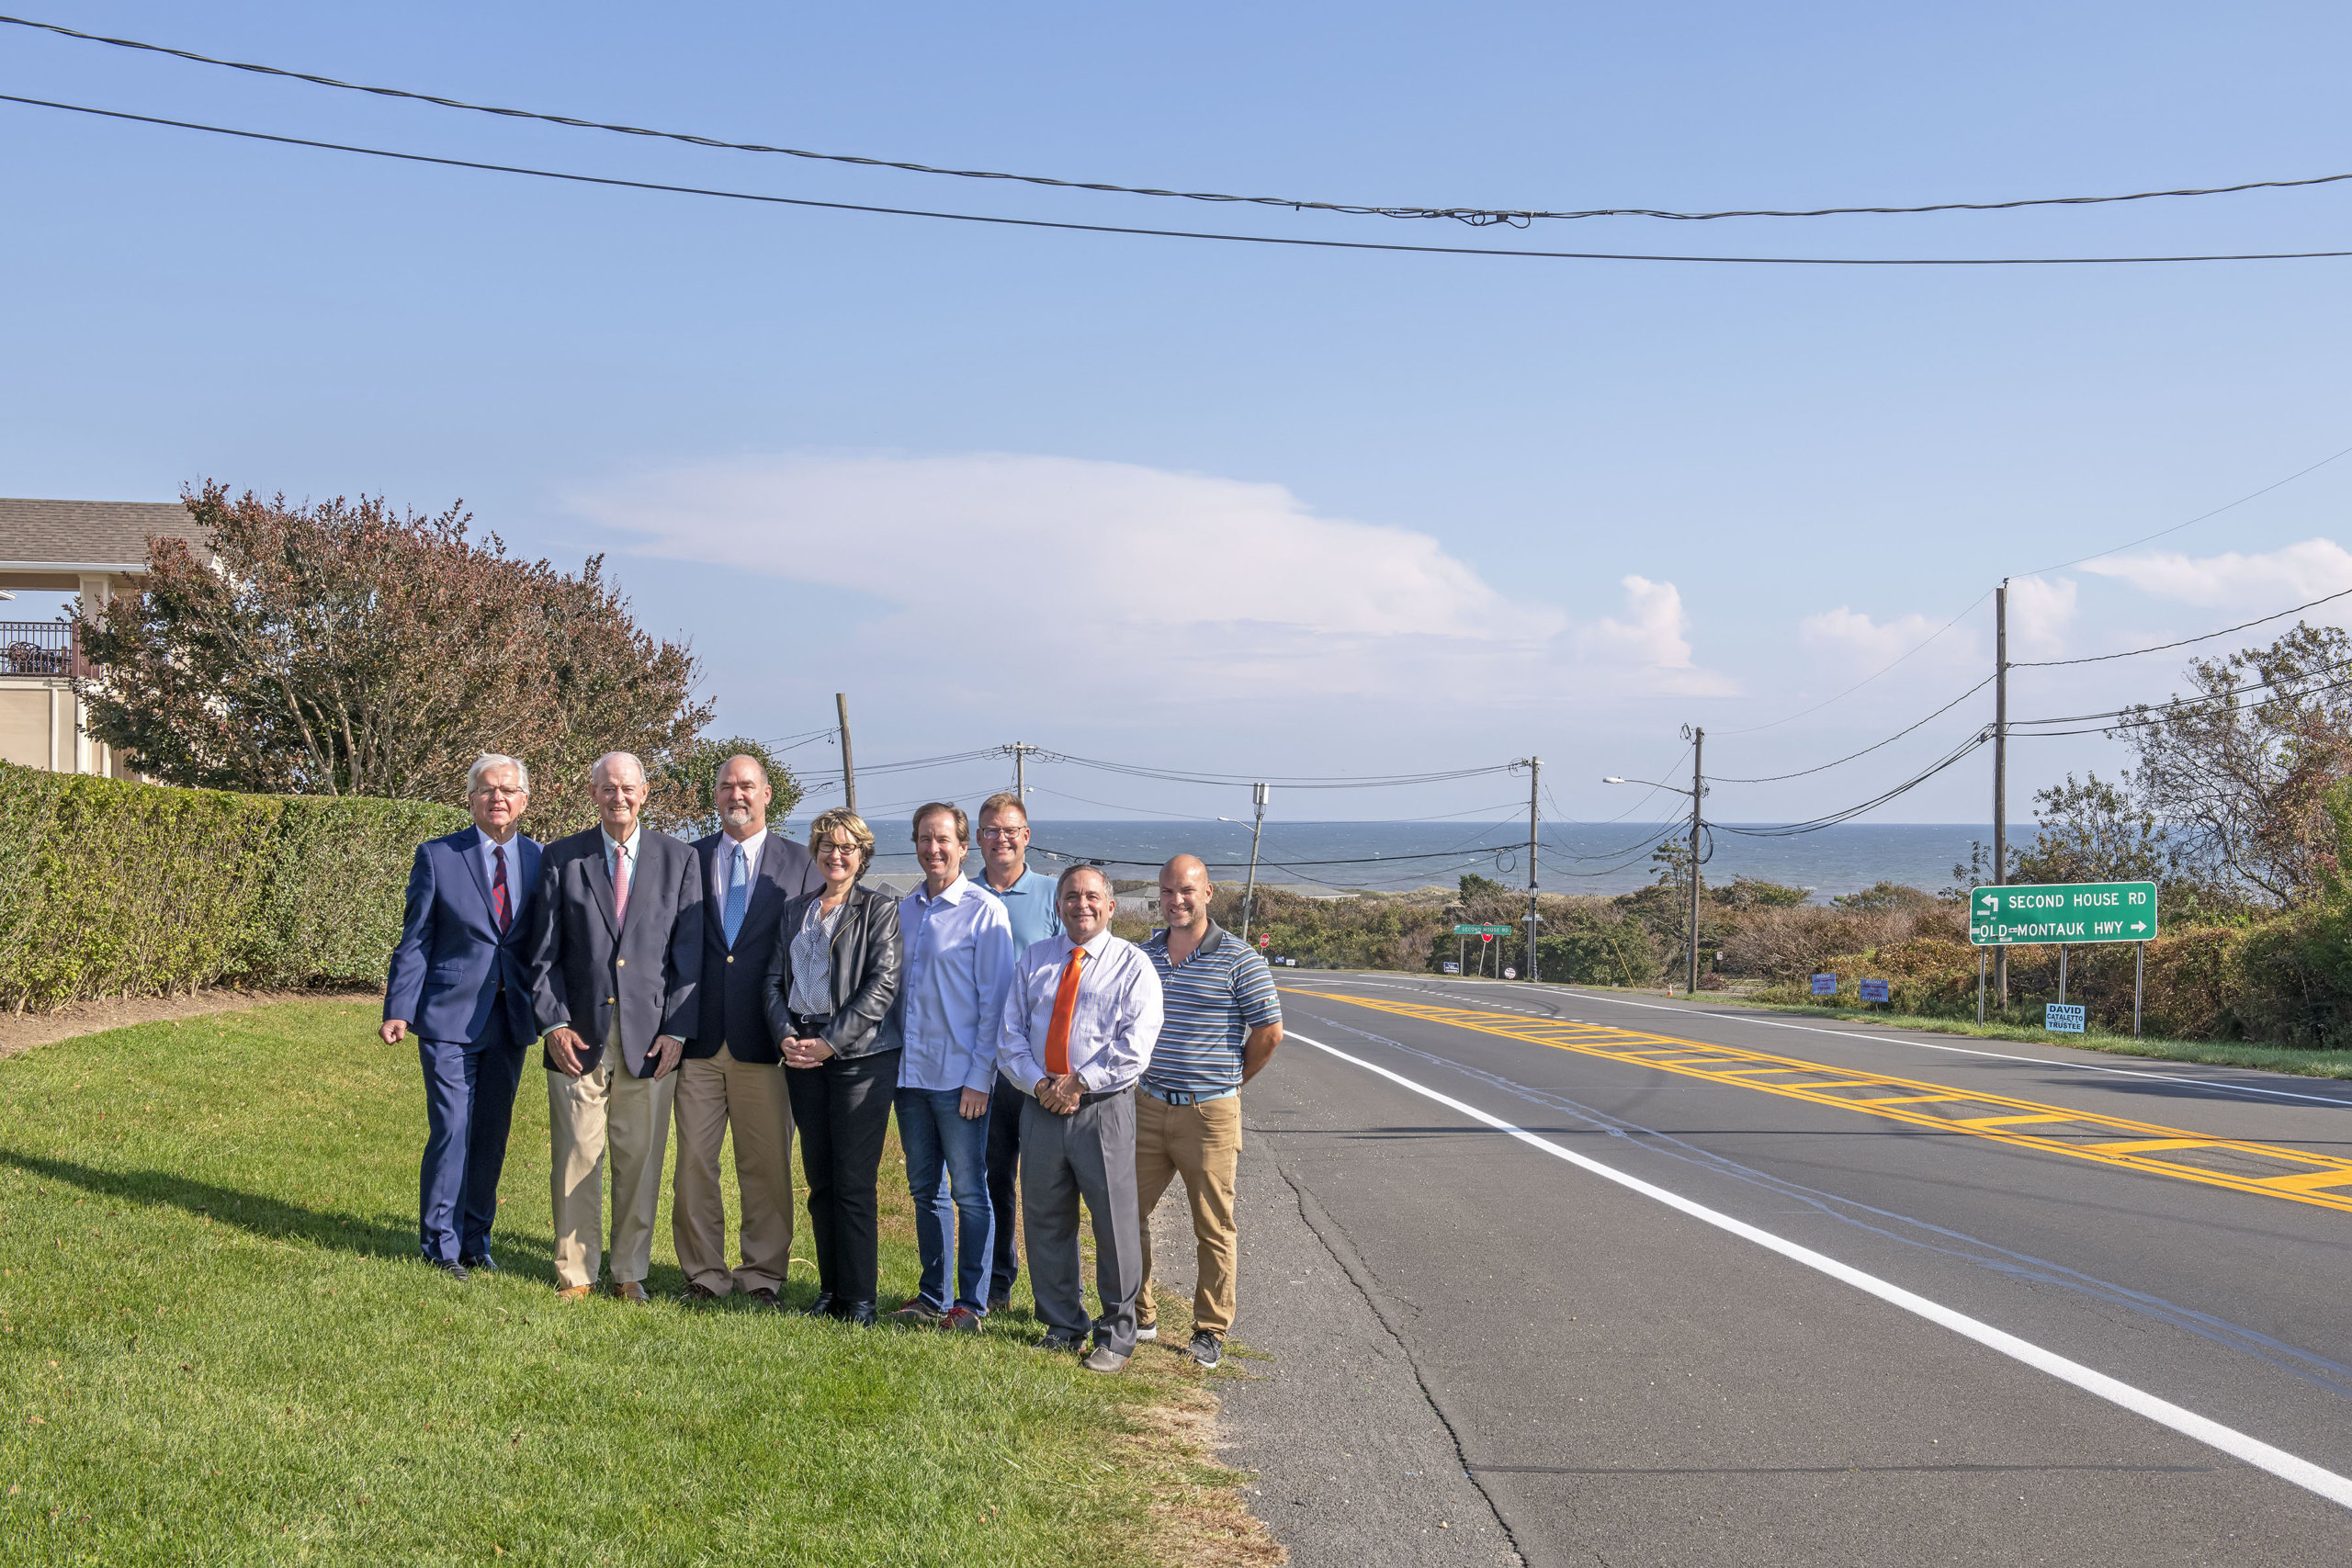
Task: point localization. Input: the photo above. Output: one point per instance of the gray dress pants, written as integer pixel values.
(1090, 1154)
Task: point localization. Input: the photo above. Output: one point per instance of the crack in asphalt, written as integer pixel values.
(1343, 1253)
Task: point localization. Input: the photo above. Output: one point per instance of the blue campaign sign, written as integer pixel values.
(2062, 1017)
(1451, 967)
(1825, 984)
(1873, 990)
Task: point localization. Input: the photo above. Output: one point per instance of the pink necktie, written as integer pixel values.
(621, 885)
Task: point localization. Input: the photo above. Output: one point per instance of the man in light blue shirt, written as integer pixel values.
(1028, 900)
(957, 945)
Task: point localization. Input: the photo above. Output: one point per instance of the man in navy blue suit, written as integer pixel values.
(732, 1074)
(459, 983)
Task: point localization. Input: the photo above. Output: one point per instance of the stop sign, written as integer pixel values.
(1488, 937)
(1264, 941)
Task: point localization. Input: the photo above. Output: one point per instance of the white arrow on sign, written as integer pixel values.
(2139, 925)
(1991, 900)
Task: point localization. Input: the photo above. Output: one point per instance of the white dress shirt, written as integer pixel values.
(956, 963)
(611, 845)
(1113, 1027)
(721, 864)
(514, 887)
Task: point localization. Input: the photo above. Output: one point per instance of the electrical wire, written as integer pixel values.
(1307, 781)
(2176, 528)
(1477, 217)
(1866, 750)
(1296, 241)
(1759, 729)
(2184, 642)
(1815, 825)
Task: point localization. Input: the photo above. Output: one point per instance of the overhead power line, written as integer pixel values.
(1815, 825)
(2184, 642)
(1476, 215)
(1289, 240)
(1866, 750)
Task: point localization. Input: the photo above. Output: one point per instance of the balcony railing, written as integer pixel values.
(40, 647)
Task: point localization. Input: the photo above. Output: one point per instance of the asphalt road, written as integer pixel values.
(1824, 1294)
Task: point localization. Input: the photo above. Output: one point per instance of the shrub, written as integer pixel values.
(131, 889)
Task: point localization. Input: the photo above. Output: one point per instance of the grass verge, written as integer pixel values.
(2211, 1052)
(217, 1346)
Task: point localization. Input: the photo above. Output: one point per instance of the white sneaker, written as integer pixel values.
(1146, 1333)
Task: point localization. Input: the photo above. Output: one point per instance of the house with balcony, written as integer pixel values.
(90, 548)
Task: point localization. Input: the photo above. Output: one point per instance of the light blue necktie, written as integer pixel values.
(738, 889)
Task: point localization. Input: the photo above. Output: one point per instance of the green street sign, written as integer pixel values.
(1482, 930)
(2064, 911)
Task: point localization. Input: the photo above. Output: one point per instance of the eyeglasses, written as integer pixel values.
(1003, 832)
(500, 789)
(837, 850)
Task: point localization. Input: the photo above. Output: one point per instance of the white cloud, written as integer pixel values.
(1653, 640)
(2040, 614)
(1851, 640)
(1212, 584)
(2288, 575)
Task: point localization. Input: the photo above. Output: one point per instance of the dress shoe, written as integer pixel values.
(480, 1263)
(575, 1292)
(1001, 1301)
(453, 1270)
(1103, 1359)
(766, 1299)
(821, 1308)
(698, 1293)
(1061, 1340)
(631, 1290)
(859, 1313)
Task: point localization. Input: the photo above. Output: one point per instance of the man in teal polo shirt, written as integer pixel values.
(1028, 898)
(1219, 1025)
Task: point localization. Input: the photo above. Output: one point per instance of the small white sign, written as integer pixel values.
(2062, 1017)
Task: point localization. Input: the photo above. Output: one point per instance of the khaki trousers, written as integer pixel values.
(609, 1108)
(715, 1092)
(1202, 1144)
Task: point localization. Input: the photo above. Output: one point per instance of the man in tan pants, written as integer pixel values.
(732, 1074)
(617, 958)
(1222, 1022)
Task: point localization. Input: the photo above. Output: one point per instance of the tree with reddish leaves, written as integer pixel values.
(340, 648)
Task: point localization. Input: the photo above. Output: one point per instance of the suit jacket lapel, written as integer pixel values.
(468, 848)
(600, 883)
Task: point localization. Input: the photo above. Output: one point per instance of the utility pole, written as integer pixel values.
(1698, 747)
(849, 767)
(2001, 772)
(1535, 771)
(1258, 794)
(1021, 749)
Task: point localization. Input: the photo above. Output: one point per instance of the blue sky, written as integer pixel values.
(1241, 508)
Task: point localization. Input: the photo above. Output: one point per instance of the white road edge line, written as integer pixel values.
(2287, 1467)
(1922, 1044)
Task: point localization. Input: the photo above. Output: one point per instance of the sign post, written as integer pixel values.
(2065, 913)
(1485, 935)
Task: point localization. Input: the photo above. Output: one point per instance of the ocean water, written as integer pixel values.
(1576, 857)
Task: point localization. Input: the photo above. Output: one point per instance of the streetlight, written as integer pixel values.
(1696, 789)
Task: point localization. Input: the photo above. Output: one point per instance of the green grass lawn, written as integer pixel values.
(217, 1346)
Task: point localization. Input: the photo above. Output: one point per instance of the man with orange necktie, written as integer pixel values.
(1078, 1028)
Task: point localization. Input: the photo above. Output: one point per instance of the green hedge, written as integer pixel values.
(117, 889)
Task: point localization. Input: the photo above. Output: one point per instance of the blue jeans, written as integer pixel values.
(947, 1176)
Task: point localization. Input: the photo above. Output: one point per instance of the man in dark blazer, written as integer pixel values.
(732, 1072)
(615, 961)
(459, 983)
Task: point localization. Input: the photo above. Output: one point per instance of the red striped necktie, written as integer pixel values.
(499, 904)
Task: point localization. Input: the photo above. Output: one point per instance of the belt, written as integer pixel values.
(810, 1025)
(1179, 1096)
(1096, 1097)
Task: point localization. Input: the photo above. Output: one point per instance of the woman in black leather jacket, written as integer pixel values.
(831, 983)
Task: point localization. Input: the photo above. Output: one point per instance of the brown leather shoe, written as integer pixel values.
(766, 1299)
(631, 1290)
(698, 1293)
(575, 1292)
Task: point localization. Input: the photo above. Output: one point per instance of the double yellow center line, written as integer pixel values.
(2266, 1168)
